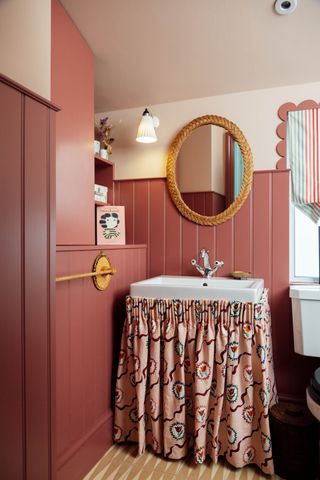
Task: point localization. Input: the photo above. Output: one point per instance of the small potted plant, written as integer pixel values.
(103, 135)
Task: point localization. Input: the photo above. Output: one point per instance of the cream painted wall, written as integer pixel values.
(255, 112)
(25, 43)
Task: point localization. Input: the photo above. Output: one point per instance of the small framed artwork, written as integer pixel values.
(110, 226)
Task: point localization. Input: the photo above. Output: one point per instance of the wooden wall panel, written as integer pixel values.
(225, 246)
(141, 213)
(27, 233)
(262, 227)
(256, 239)
(72, 88)
(243, 241)
(37, 294)
(126, 197)
(157, 228)
(11, 286)
(88, 330)
(173, 239)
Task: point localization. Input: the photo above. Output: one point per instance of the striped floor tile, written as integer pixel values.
(122, 463)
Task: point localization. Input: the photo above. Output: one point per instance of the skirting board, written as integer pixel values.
(77, 463)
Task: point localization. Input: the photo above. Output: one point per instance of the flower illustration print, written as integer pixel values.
(235, 309)
(261, 352)
(200, 455)
(177, 307)
(201, 414)
(177, 430)
(117, 432)
(249, 454)
(266, 442)
(178, 390)
(247, 331)
(129, 303)
(248, 373)
(233, 350)
(179, 348)
(258, 311)
(248, 413)
(203, 370)
(232, 435)
(232, 393)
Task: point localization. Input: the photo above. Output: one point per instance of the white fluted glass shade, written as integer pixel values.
(146, 132)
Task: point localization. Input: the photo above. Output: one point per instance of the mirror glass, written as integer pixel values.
(209, 170)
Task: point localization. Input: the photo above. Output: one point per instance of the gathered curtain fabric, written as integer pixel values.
(303, 158)
(197, 375)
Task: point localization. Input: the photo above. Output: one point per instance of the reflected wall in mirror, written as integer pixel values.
(209, 170)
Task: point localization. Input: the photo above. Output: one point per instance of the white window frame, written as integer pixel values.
(294, 278)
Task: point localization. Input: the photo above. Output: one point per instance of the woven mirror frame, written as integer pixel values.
(173, 153)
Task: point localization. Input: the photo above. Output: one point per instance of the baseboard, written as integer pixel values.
(83, 455)
(287, 397)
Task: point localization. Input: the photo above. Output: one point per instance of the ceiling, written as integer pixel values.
(149, 52)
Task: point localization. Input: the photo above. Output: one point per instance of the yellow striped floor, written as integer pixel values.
(121, 463)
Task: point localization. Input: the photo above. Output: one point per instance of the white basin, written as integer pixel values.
(196, 288)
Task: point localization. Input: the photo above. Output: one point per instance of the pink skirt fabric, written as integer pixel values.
(197, 374)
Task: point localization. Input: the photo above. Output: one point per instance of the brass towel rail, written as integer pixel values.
(101, 273)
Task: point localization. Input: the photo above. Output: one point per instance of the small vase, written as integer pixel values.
(104, 153)
(96, 146)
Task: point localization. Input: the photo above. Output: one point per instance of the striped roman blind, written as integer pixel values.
(303, 159)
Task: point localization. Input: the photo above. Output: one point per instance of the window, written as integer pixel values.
(304, 247)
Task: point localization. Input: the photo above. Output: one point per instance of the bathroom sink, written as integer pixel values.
(195, 288)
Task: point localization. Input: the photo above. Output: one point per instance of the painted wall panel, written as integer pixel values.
(72, 61)
(127, 198)
(173, 238)
(157, 228)
(27, 235)
(262, 231)
(88, 330)
(11, 318)
(37, 294)
(256, 239)
(243, 245)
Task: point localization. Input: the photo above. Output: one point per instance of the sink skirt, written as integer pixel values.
(197, 375)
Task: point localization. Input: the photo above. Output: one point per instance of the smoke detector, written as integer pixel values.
(284, 7)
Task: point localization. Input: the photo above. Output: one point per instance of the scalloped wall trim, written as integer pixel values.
(282, 127)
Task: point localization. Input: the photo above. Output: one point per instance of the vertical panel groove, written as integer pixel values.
(149, 233)
(133, 209)
(23, 293)
(270, 230)
(49, 352)
(251, 232)
(164, 231)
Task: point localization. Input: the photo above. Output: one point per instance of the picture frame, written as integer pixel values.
(110, 225)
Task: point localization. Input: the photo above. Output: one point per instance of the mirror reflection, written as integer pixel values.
(209, 170)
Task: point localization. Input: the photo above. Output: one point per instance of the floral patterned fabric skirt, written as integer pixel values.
(197, 374)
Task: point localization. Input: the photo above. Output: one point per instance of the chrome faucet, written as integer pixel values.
(206, 271)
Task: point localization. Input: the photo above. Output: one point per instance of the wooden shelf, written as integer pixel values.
(103, 175)
(102, 162)
(101, 204)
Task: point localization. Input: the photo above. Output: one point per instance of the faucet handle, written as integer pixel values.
(218, 264)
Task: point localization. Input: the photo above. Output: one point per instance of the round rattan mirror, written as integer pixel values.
(236, 134)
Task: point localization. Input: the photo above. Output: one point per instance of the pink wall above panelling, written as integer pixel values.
(256, 239)
(72, 88)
